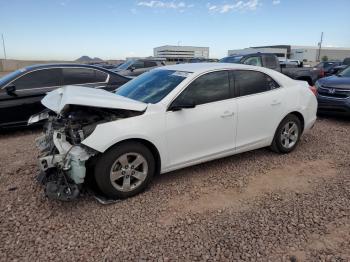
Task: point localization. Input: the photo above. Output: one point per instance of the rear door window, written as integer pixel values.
(100, 76)
(253, 82)
(138, 64)
(77, 76)
(270, 61)
(150, 64)
(39, 79)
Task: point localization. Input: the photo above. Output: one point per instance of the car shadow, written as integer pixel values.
(9, 131)
(334, 116)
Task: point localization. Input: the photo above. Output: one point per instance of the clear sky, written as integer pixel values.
(115, 29)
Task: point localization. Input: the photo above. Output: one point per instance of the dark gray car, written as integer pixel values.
(137, 67)
(311, 75)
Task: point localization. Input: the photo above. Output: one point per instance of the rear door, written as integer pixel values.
(260, 104)
(30, 89)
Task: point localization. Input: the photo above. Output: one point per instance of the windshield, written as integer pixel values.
(9, 77)
(153, 86)
(231, 59)
(345, 72)
(125, 65)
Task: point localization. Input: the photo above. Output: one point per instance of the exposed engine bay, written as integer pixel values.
(63, 158)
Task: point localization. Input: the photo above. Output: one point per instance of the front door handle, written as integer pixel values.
(275, 103)
(227, 114)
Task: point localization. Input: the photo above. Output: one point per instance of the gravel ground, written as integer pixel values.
(256, 206)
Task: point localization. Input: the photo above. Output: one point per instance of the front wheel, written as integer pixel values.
(287, 135)
(124, 170)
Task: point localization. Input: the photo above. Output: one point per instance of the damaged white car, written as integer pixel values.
(169, 118)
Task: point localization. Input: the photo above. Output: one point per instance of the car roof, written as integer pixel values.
(251, 54)
(10, 77)
(204, 67)
(40, 66)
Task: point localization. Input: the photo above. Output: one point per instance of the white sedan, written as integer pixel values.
(169, 118)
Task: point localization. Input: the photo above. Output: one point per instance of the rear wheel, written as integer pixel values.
(125, 170)
(287, 135)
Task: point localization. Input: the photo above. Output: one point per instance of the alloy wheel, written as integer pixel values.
(128, 172)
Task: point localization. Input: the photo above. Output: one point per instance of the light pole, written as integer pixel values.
(319, 48)
(178, 46)
(3, 45)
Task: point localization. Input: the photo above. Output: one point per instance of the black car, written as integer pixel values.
(21, 91)
(327, 67)
(333, 93)
(136, 67)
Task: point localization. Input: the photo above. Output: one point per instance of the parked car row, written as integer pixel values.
(133, 129)
(333, 67)
(22, 90)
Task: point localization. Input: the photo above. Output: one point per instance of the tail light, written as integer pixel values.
(321, 74)
(313, 90)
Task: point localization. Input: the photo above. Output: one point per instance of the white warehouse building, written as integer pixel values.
(302, 53)
(180, 53)
(310, 53)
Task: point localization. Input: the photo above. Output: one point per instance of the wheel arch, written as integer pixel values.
(154, 150)
(300, 117)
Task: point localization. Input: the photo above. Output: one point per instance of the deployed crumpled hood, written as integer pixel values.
(86, 96)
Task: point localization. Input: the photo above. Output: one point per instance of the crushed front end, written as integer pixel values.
(63, 158)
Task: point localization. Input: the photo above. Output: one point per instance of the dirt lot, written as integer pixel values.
(257, 206)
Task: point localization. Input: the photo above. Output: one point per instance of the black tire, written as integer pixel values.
(105, 162)
(277, 145)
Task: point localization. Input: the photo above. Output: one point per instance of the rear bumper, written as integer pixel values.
(333, 105)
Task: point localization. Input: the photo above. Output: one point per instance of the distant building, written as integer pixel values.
(180, 53)
(310, 53)
(302, 53)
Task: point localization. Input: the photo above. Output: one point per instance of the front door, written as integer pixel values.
(16, 108)
(208, 129)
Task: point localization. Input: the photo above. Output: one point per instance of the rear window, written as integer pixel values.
(76, 76)
(231, 59)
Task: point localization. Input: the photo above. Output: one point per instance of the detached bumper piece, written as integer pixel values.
(63, 173)
(57, 186)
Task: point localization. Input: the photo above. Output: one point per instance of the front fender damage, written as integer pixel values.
(64, 159)
(64, 172)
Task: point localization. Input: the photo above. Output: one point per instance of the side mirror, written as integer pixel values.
(11, 90)
(178, 105)
(132, 68)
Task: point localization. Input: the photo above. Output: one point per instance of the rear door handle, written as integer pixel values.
(227, 114)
